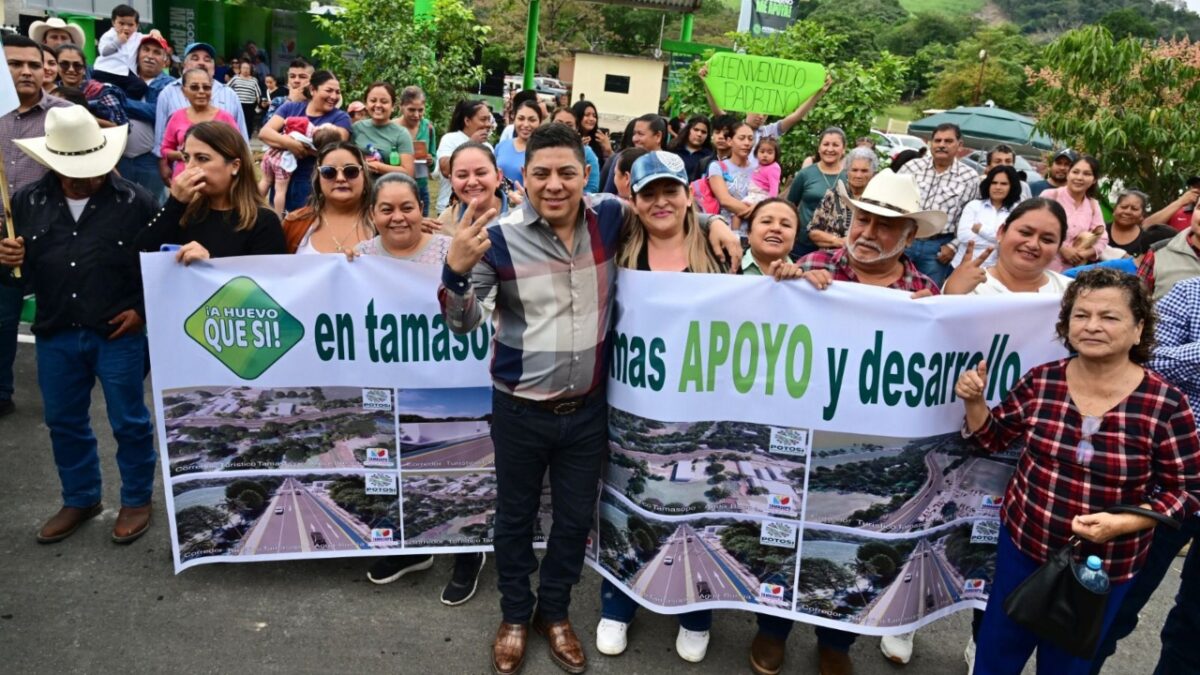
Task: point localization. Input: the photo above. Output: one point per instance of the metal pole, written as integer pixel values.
(685, 32)
(531, 36)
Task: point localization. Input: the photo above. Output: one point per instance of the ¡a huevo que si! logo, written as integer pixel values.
(244, 328)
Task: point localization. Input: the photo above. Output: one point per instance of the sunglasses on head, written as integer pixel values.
(200, 87)
(71, 65)
(350, 171)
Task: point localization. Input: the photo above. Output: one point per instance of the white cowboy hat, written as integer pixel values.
(38, 30)
(894, 196)
(74, 145)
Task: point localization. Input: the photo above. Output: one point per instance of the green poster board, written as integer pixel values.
(760, 84)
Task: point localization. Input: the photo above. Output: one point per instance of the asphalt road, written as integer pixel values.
(686, 570)
(923, 585)
(473, 452)
(297, 521)
(87, 605)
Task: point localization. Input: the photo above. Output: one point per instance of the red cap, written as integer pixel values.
(161, 42)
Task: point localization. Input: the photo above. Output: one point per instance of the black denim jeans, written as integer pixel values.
(529, 441)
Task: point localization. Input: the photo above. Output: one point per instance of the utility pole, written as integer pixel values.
(979, 82)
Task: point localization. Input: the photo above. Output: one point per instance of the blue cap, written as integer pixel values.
(1094, 562)
(200, 45)
(657, 165)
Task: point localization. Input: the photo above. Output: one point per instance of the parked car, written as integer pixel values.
(889, 144)
(549, 86)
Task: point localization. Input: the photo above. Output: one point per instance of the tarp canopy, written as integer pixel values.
(984, 127)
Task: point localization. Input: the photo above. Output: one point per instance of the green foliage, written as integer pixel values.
(817, 574)
(235, 489)
(955, 8)
(1004, 79)
(198, 520)
(378, 40)
(1056, 16)
(1128, 22)
(858, 90)
(1128, 102)
(882, 566)
(250, 500)
(920, 30)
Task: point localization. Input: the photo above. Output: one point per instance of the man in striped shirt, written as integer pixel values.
(547, 271)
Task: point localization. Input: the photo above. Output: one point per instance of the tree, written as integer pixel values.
(1004, 79)
(1127, 102)
(196, 520)
(379, 40)
(1128, 22)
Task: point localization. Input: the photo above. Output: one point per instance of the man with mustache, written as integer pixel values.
(947, 185)
(887, 218)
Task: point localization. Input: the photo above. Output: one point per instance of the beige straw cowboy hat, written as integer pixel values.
(74, 145)
(38, 30)
(892, 195)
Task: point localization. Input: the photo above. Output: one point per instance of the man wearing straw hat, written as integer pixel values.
(76, 227)
(54, 32)
(887, 218)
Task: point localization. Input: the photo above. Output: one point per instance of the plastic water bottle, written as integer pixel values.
(394, 158)
(1092, 575)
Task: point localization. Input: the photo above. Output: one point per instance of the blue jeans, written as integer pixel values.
(1180, 648)
(617, 605)
(1003, 646)
(779, 627)
(69, 363)
(143, 170)
(300, 187)
(423, 195)
(11, 299)
(923, 254)
(530, 441)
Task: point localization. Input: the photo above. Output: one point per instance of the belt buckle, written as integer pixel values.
(565, 408)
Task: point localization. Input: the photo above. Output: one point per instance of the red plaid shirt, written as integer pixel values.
(837, 263)
(1146, 452)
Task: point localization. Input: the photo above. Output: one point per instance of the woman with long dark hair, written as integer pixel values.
(338, 215)
(471, 121)
(214, 209)
(1086, 236)
(589, 128)
(323, 93)
(981, 219)
(694, 146)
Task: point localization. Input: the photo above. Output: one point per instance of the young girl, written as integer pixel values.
(764, 182)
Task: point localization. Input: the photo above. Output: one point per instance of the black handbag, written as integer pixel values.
(1053, 604)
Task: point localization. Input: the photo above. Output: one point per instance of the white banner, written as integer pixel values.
(774, 448)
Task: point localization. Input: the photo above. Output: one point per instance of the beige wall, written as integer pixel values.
(645, 85)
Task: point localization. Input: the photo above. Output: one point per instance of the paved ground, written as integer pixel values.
(89, 606)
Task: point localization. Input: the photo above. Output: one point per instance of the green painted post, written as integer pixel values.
(531, 35)
(422, 9)
(685, 32)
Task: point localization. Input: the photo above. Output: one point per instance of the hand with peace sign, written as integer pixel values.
(970, 387)
(969, 274)
(470, 241)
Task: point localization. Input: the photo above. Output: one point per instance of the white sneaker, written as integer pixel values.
(897, 648)
(691, 645)
(610, 637)
(969, 655)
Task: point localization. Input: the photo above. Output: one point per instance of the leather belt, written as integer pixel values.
(557, 406)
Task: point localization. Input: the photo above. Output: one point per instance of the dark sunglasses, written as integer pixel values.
(350, 171)
(200, 87)
(71, 65)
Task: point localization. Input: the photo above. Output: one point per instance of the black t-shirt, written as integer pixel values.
(1134, 248)
(216, 232)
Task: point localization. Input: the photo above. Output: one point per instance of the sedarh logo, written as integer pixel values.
(244, 328)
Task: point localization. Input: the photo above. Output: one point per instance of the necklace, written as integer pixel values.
(353, 227)
(824, 176)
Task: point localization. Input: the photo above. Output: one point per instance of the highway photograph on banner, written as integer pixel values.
(871, 533)
(285, 514)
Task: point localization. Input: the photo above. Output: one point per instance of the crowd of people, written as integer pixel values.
(111, 158)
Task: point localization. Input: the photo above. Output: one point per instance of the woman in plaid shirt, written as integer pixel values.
(1099, 430)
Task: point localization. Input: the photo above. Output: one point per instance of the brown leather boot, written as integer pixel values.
(766, 654)
(64, 523)
(565, 648)
(832, 662)
(508, 650)
(132, 522)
